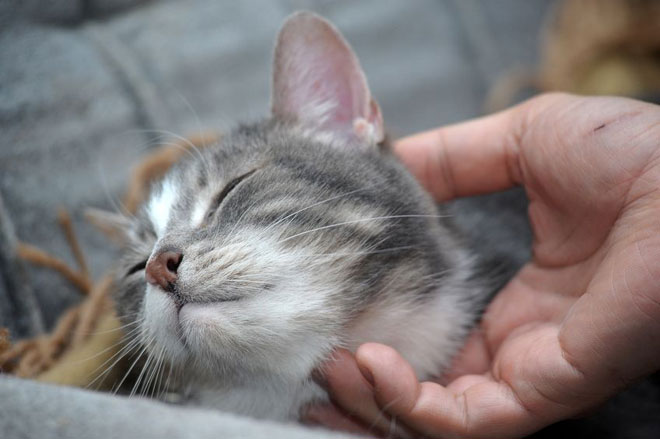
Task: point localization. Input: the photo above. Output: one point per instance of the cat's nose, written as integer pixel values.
(161, 268)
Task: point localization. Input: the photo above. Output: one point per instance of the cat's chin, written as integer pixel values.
(205, 328)
(161, 327)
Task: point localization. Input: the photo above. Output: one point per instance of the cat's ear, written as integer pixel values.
(318, 81)
(115, 226)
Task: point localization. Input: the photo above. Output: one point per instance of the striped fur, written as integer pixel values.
(319, 247)
(296, 240)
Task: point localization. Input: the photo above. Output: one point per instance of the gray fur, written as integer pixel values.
(323, 241)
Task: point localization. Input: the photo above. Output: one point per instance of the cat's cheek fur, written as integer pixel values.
(282, 331)
(265, 337)
(428, 333)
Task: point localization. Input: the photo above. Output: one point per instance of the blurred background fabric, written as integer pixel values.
(89, 87)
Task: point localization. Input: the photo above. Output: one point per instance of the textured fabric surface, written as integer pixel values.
(33, 410)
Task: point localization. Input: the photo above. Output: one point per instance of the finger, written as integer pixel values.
(468, 158)
(472, 406)
(349, 389)
(477, 156)
(393, 379)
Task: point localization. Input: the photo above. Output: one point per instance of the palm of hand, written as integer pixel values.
(594, 232)
(563, 335)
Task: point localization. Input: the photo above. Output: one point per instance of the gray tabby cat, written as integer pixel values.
(258, 256)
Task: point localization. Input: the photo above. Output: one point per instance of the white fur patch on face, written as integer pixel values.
(198, 213)
(160, 206)
(161, 324)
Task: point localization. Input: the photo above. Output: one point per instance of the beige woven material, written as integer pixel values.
(77, 351)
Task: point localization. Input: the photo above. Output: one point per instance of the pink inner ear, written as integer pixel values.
(318, 80)
(337, 81)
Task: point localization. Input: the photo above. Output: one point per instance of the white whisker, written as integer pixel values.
(357, 221)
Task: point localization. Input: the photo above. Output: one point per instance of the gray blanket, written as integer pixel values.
(32, 410)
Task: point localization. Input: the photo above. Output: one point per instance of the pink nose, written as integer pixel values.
(161, 268)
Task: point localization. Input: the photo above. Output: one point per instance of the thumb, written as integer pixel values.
(471, 406)
(394, 382)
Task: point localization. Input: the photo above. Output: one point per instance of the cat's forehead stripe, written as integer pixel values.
(160, 206)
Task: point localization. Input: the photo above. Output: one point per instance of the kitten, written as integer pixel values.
(256, 257)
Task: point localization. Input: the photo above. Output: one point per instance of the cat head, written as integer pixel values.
(256, 255)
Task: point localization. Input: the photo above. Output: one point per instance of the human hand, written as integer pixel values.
(577, 323)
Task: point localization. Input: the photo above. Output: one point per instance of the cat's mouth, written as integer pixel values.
(180, 300)
(175, 295)
(179, 324)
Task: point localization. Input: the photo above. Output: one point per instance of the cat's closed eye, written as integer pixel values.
(217, 201)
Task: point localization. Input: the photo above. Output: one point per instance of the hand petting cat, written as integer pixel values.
(580, 321)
